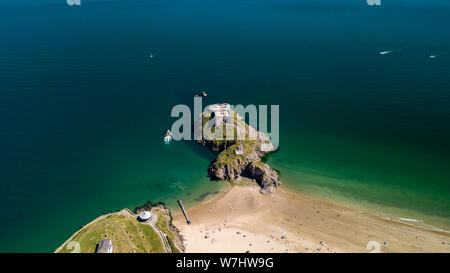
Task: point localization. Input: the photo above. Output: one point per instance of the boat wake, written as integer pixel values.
(410, 222)
(385, 52)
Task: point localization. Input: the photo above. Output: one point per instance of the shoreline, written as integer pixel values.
(240, 219)
(401, 215)
(384, 212)
(59, 248)
(130, 230)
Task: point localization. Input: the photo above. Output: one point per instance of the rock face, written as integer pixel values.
(266, 177)
(240, 157)
(230, 171)
(229, 166)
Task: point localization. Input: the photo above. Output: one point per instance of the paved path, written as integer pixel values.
(152, 223)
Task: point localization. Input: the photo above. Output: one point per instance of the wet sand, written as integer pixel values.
(241, 219)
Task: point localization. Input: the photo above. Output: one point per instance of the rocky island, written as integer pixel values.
(241, 148)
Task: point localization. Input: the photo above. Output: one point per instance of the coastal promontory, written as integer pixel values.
(240, 146)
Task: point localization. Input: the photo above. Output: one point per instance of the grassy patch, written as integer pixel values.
(163, 226)
(229, 156)
(126, 233)
(173, 246)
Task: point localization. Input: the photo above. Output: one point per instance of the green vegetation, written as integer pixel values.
(229, 156)
(259, 164)
(164, 226)
(240, 148)
(219, 144)
(126, 233)
(173, 246)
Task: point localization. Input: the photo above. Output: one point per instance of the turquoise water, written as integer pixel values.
(83, 107)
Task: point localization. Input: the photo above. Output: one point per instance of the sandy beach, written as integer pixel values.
(242, 219)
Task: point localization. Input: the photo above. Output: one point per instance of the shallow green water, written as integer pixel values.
(83, 107)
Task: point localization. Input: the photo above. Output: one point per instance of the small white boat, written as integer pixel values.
(168, 137)
(385, 52)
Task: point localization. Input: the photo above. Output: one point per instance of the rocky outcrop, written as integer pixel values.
(228, 171)
(240, 157)
(229, 166)
(266, 177)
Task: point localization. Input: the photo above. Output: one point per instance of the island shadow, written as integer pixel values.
(201, 150)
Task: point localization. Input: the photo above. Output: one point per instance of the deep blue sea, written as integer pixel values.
(83, 106)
